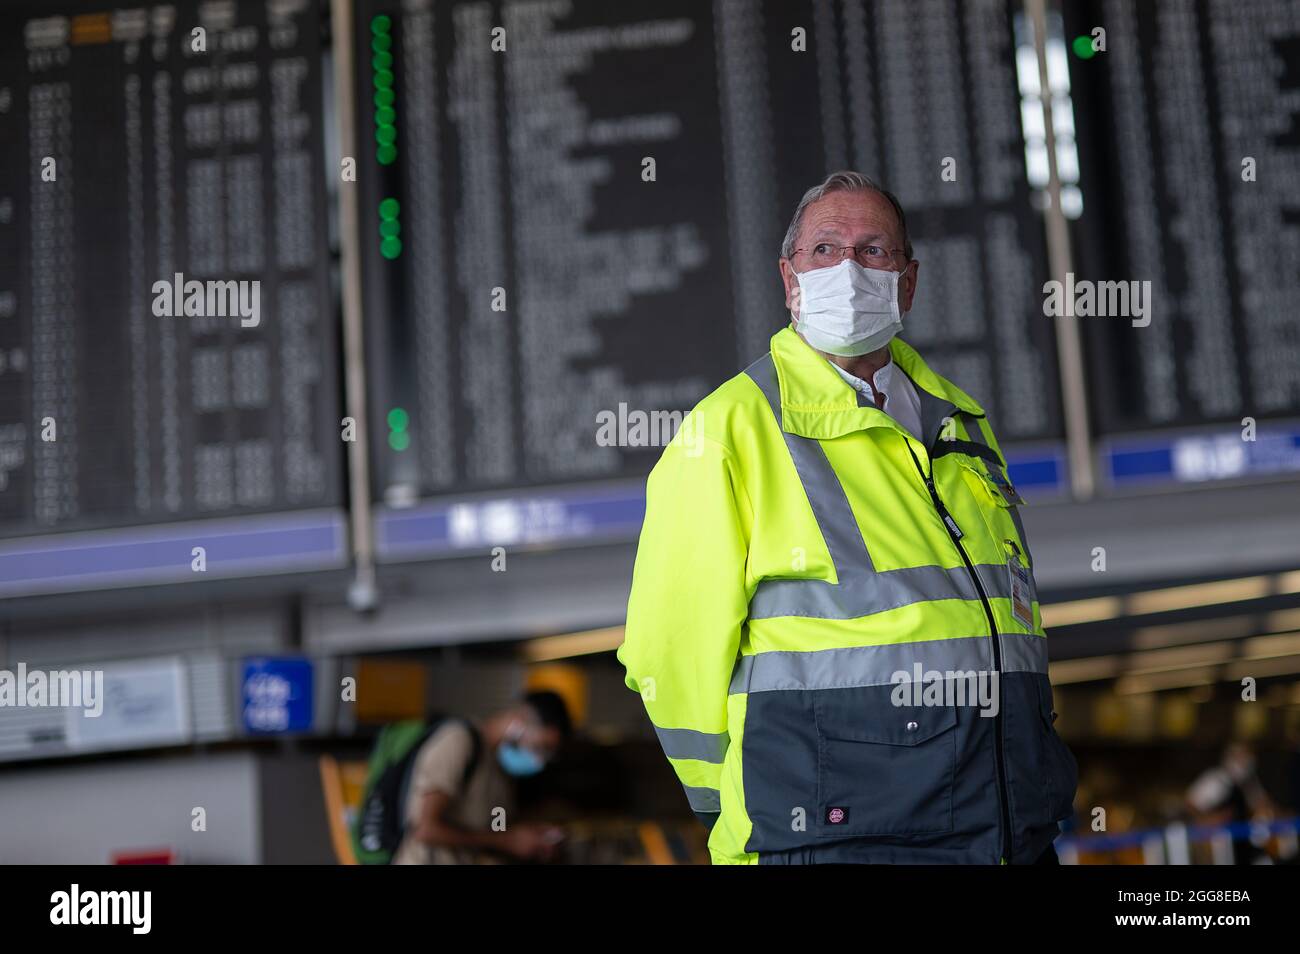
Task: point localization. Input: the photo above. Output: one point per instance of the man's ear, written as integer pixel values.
(791, 284)
(907, 286)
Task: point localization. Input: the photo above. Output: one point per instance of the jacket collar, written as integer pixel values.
(818, 403)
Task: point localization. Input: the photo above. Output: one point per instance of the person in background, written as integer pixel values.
(1231, 792)
(460, 807)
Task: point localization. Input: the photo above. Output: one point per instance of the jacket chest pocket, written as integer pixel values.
(998, 500)
(883, 769)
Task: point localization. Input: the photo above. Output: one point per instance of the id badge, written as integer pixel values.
(1022, 599)
(1007, 489)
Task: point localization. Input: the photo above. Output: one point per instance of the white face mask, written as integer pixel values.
(847, 309)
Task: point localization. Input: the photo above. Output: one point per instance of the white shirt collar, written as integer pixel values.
(884, 376)
(901, 400)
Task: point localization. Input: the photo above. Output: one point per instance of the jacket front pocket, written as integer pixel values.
(883, 769)
(1042, 774)
(1062, 771)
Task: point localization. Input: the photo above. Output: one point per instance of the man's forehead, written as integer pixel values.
(852, 212)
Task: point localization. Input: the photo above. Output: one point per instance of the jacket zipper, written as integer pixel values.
(954, 531)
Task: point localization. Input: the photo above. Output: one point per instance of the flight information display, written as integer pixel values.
(1189, 133)
(167, 343)
(572, 213)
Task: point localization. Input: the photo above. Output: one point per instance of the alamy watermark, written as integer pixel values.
(211, 299)
(54, 689)
(1089, 299)
(922, 687)
(636, 428)
(133, 909)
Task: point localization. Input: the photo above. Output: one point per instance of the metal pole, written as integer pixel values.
(1069, 349)
(362, 595)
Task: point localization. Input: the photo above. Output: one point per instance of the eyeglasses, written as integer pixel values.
(824, 255)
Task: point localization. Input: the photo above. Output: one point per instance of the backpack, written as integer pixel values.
(381, 817)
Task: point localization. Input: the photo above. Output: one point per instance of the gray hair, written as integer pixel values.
(843, 181)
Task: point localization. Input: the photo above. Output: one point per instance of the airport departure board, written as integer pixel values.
(572, 211)
(1189, 135)
(167, 343)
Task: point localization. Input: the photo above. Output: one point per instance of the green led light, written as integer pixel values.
(389, 209)
(380, 24)
(390, 228)
(385, 135)
(383, 79)
(398, 419)
(390, 247)
(1083, 47)
(384, 97)
(382, 61)
(386, 155)
(399, 440)
(385, 116)
(381, 43)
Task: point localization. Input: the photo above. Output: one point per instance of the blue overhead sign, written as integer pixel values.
(525, 518)
(1040, 472)
(1201, 457)
(277, 694)
(253, 545)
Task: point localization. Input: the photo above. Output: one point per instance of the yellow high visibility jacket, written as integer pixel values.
(834, 626)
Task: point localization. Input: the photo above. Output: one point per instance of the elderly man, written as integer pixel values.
(833, 621)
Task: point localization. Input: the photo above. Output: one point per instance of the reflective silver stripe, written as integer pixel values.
(703, 799)
(858, 665)
(863, 594)
(1024, 652)
(996, 578)
(976, 434)
(689, 744)
(875, 665)
(861, 591)
(824, 491)
(934, 411)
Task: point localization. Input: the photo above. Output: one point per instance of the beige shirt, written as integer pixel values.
(440, 766)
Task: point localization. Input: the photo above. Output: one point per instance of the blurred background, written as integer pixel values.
(476, 250)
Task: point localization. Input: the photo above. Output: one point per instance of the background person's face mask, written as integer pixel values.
(515, 758)
(518, 761)
(847, 309)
